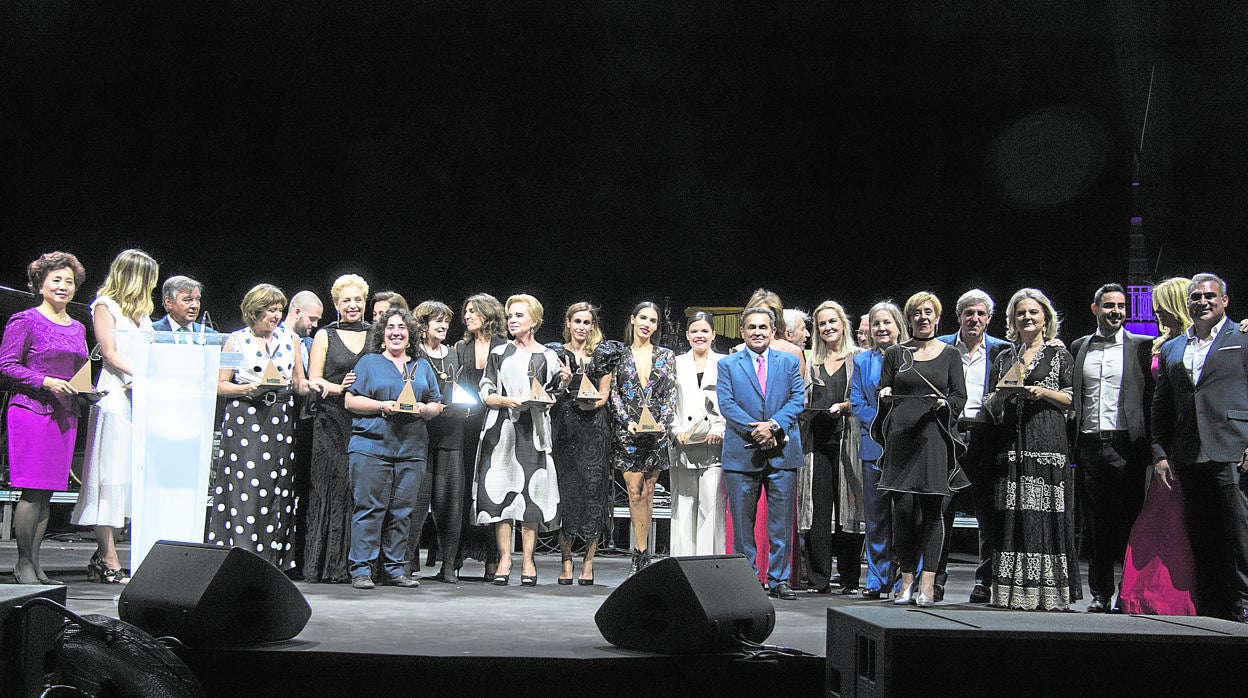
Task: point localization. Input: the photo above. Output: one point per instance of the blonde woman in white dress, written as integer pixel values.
(124, 302)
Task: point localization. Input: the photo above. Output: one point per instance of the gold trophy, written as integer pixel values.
(82, 383)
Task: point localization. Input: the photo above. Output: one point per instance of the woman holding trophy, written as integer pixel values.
(643, 403)
(516, 478)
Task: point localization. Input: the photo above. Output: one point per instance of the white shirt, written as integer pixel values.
(1102, 382)
(1194, 356)
(975, 368)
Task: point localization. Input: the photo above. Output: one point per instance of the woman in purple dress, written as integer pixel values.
(42, 349)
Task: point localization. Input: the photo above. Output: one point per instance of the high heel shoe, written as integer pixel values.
(565, 581)
(99, 573)
(924, 601)
(501, 580)
(905, 598)
(529, 580)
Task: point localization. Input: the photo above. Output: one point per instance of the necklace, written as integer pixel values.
(441, 363)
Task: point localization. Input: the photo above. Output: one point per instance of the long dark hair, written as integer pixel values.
(658, 330)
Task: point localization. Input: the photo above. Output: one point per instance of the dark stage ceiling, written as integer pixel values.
(625, 150)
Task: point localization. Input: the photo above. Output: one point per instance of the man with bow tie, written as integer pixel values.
(1113, 387)
(1200, 437)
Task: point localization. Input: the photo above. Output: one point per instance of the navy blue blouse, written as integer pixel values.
(401, 436)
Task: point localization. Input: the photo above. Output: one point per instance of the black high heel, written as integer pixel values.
(501, 580)
(99, 573)
(530, 580)
(564, 581)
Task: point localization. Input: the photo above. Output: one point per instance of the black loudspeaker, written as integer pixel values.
(686, 605)
(876, 651)
(209, 595)
(28, 637)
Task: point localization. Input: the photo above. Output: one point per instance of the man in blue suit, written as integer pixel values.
(978, 350)
(760, 396)
(1200, 437)
(181, 296)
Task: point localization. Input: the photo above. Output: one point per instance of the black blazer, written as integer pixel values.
(1136, 394)
(1213, 413)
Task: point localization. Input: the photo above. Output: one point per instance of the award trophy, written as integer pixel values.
(1014, 379)
(587, 391)
(82, 383)
(406, 401)
(538, 397)
(646, 423)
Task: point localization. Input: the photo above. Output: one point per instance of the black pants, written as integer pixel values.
(826, 538)
(1216, 510)
(918, 528)
(1110, 472)
(980, 465)
(443, 486)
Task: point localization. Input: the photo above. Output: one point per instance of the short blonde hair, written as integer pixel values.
(131, 280)
(255, 301)
(1051, 321)
(916, 301)
(346, 280)
(846, 346)
(535, 307)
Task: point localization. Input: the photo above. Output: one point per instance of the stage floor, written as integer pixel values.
(473, 618)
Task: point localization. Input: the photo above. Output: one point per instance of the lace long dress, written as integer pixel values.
(1035, 566)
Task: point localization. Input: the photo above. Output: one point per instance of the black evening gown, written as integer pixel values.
(582, 452)
(329, 493)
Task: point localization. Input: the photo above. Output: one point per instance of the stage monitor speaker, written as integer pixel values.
(874, 651)
(28, 636)
(210, 595)
(687, 605)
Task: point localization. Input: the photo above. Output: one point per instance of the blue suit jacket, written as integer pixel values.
(741, 402)
(166, 325)
(992, 344)
(864, 401)
(1213, 413)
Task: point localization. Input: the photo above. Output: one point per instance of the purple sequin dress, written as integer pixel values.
(42, 426)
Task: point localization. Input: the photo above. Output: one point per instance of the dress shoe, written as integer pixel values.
(873, 594)
(980, 594)
(905, 598)
(783, 591)
(849, 589)
(938, 592)
(362, 582)
(1098, 604)
(402, 580)
(924, 601)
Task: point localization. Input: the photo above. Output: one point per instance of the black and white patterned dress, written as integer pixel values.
(253, 476)
(1035, 566)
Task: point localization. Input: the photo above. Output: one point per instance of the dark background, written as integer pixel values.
(620, 151)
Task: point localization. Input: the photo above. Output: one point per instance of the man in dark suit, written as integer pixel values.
(181, 296)
(1112, 388)
(760, 396)
(978, 349)
(1200, 437)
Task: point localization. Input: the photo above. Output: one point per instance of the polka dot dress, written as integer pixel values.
(253, 477)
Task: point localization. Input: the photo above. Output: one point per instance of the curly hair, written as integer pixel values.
(49, 262)
(377, 333)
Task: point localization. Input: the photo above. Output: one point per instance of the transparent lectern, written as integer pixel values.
(174, 397)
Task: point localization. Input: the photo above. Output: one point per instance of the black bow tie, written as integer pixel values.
(1102, 339)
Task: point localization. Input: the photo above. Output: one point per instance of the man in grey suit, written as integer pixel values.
(1200, 437)
(1112, 387)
